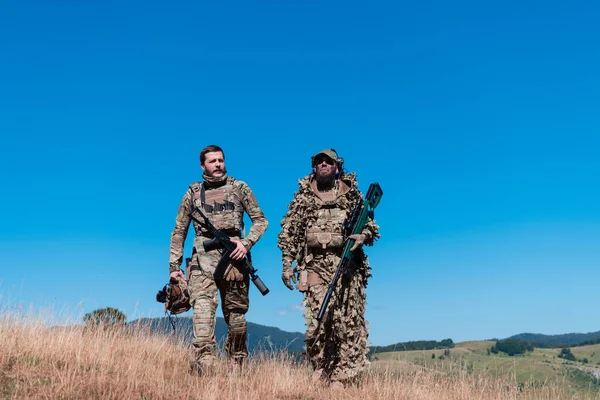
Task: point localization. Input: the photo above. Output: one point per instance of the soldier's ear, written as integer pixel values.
(202, 166)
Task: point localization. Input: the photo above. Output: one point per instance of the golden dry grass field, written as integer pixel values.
(41, 362)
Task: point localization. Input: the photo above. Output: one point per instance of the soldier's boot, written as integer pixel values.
(196, 368)
(318, 375)
(234, 367)
(203, 366)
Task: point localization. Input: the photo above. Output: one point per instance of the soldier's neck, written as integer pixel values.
(326, 186)
(327, 193)
(212, 182)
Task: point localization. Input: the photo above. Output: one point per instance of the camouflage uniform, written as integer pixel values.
(223, 200)
(312, 234)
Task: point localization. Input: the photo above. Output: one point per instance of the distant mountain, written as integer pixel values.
(414, 345)
(269, 338)
(567, 339)
(260, 337)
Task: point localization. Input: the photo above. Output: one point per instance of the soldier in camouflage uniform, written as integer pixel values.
(223, 199)
(312, 235)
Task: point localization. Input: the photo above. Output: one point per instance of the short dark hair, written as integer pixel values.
(210, 149)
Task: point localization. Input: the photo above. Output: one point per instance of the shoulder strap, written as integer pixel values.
(196, 188)
(236, 188)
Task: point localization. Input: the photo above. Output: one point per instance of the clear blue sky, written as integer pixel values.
(480, 120)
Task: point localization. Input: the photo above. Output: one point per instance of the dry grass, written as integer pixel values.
(70, 363)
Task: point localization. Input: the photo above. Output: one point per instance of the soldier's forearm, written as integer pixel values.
(176, 249)
(257, 230)
(371, 232)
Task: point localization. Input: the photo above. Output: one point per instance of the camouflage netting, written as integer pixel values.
(303, 211)
(337, 346)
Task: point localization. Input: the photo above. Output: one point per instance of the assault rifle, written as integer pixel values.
(363, 210)
(222, 241)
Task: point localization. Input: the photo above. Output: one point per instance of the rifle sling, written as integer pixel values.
(231, 232)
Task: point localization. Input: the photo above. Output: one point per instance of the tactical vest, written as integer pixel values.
(221, 205)
(328, 229)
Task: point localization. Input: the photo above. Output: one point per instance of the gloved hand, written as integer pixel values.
(359, 239)
(287, 275)
(233, 274)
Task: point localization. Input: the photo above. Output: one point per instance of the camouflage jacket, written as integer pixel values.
(224, 205)
(309, 216)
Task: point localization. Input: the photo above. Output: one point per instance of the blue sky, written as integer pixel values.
(479, 120)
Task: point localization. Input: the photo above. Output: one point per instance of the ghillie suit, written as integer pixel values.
(313, 235)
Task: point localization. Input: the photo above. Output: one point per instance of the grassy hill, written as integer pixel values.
(536, 368)
(540, 368)
(70, 362)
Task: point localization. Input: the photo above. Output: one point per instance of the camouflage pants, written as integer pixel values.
(234, 304)
(337, 346)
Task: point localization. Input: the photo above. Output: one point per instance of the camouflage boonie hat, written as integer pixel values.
(331, 153)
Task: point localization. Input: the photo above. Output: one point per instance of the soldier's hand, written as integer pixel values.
(233, 274)
(175, 274)
(287, 275)
(359, 239)
(240, 250)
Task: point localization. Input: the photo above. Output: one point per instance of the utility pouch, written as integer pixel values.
(307, 280)
(302, 285)
(324, 240)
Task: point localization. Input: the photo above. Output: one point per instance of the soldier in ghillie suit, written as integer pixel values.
(223, 200)
(313, 236)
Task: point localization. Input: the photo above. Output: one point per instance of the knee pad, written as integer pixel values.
(204, 320)
(237, 324)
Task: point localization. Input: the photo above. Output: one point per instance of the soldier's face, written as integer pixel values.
(214, 164)
(325, 167)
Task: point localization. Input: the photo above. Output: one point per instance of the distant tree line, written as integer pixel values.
(414, 345)
(546, 345)
(512, 347)
(560, 341)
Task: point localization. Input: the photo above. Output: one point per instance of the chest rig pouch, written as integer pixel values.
(327, 231)
(220, 206)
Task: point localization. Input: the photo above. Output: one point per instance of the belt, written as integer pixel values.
(308, 279)
(322, 252)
